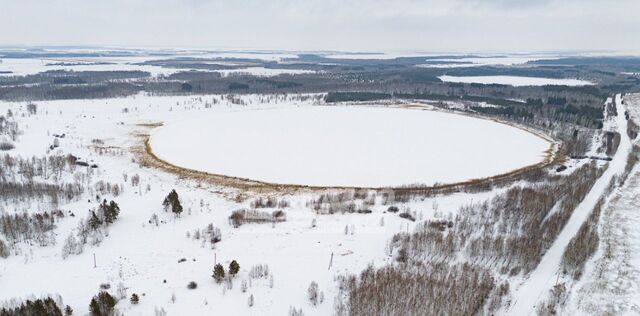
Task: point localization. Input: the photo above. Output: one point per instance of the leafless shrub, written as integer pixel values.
(213, 233)
(312, 293)
(407, 215)
(632, 129)
(259, 271)
(269, 202)
(295, 312)
(556, 299)
(583, 245)
(242, 216)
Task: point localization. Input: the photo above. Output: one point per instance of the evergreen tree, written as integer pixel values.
(68, 311)
(135, 299)
(102, 304)
(38, 307)
(172, 201)
(234, 268)
(110, 211)
(94, 308)
(71, 246)
(94, 221)
(218, 273)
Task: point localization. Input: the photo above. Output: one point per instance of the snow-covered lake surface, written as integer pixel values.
(347, 146)
(517, 81)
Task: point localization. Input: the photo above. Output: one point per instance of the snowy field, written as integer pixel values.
(32, 66)
(347, 146)
(517, 81)
(145, 257)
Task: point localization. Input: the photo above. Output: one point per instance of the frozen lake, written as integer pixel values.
(516, 81)
(347, 146)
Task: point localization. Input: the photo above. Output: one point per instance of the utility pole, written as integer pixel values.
(331, 261)
(94, 260)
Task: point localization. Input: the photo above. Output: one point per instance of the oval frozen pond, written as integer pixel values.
(347, 146)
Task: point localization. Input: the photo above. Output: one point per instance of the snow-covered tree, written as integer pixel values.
(234, 268)
(218, 273)
(71, 246)
(312, 293)
(172, 202)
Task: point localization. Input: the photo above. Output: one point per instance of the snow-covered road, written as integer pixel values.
(543, 277)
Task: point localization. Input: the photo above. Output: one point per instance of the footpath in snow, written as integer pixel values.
(543, 277)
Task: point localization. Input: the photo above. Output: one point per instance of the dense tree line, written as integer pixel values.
(510, 232)
(63, 77)
(429, 289)
(582, 245)
(37, 307)
(30, 228)
(38, 177)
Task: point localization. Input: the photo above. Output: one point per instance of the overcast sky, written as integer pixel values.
(354, 25)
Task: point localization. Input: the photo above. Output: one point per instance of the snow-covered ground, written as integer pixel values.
(611, 282)
(143, 256)
(537, 284)
(347, 146)
(517, 81)
(31, 66)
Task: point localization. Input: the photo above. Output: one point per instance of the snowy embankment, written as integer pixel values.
(347, 146)
(517, 81)
(536, 286)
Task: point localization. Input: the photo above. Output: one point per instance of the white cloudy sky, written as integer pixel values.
(357, 25)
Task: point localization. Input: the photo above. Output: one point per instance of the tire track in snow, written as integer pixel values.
(543, 277)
